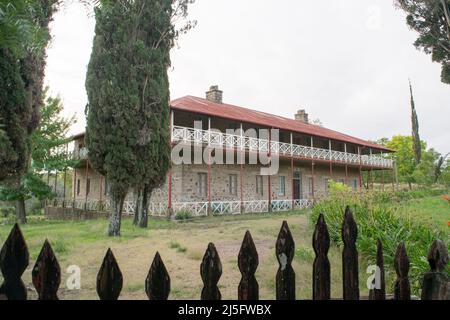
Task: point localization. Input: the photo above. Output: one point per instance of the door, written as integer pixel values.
(297, 185)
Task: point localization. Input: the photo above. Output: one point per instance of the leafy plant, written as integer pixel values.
(183, 215)
(377, 217)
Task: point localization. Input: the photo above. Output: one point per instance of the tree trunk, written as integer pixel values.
(116, 216)
(21, 215)
(137, 205)
(143, 208)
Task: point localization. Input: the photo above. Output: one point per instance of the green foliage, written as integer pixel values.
(183, 215)
(24, 35)
(378, 216)
(431, 19)
(31, 185)
(7, 211)
(18, 31)
(48, 153)
(14, 142)
(128, 92)
(417, 147)
(446, 174)
(49, 140)
(407, 169)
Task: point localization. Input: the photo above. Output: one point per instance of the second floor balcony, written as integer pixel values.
(251, 144)
(237, 142)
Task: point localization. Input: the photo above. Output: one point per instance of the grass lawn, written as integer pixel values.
(432, 211)
(181, 245)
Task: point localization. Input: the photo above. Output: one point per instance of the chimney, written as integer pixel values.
(302, 116)
(214, 94)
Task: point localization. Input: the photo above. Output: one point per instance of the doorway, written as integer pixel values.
(297, 184)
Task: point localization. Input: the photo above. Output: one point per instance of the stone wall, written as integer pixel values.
(185, 182)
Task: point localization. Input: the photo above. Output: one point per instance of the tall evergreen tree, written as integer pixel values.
(128, 93)
(415, 129)
(22, 73)
(431, 19)
(48, 153)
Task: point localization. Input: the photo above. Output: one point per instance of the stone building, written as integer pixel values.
(308, 156)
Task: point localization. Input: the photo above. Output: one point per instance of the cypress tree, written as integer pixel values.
(128, 92)
(415, 129)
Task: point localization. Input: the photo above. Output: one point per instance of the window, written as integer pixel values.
(88, 186)
(310, 185)
(355, 184)
(232, 184)
(282, 185)
(78, 187)
(259, 185)
(202, 183)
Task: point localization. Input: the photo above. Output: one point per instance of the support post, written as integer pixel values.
(360, 169)
(313, 180)
(331, 160)
(269, 189)
(209, 166)
(86, 185)
(56, 181)
(293, 182)
(242, 170)
(65, 177)
(74, 184)
(169, 200)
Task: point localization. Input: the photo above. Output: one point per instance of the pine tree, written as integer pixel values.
(415, 129)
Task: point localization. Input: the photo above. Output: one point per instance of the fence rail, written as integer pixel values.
(46, 274)
(195, 208)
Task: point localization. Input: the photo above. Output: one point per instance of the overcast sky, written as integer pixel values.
(347, 62)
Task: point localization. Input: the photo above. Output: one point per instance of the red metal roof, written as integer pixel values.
(228, 111)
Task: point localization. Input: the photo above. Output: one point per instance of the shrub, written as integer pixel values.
(7, 211)
(377, 218)
(183, 215)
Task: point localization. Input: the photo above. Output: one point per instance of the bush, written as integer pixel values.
(183, 215)
(376, 216)
(7, 211)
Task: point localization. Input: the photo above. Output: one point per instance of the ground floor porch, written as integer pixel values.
(202, 189)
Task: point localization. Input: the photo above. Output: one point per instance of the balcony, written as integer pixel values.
(79, 154)
(229, 141)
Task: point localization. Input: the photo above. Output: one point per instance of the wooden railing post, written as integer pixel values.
(380, 292)
(436, 282)
(46, 274)
(350, 257)
(285, 279)
(248, 263)
(157, 284)
(402, 289)
(109, 278)
(211, 271)
(321, 266)
(14, 258)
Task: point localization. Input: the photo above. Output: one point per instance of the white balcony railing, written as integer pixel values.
(79, 154)
(223, 140)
